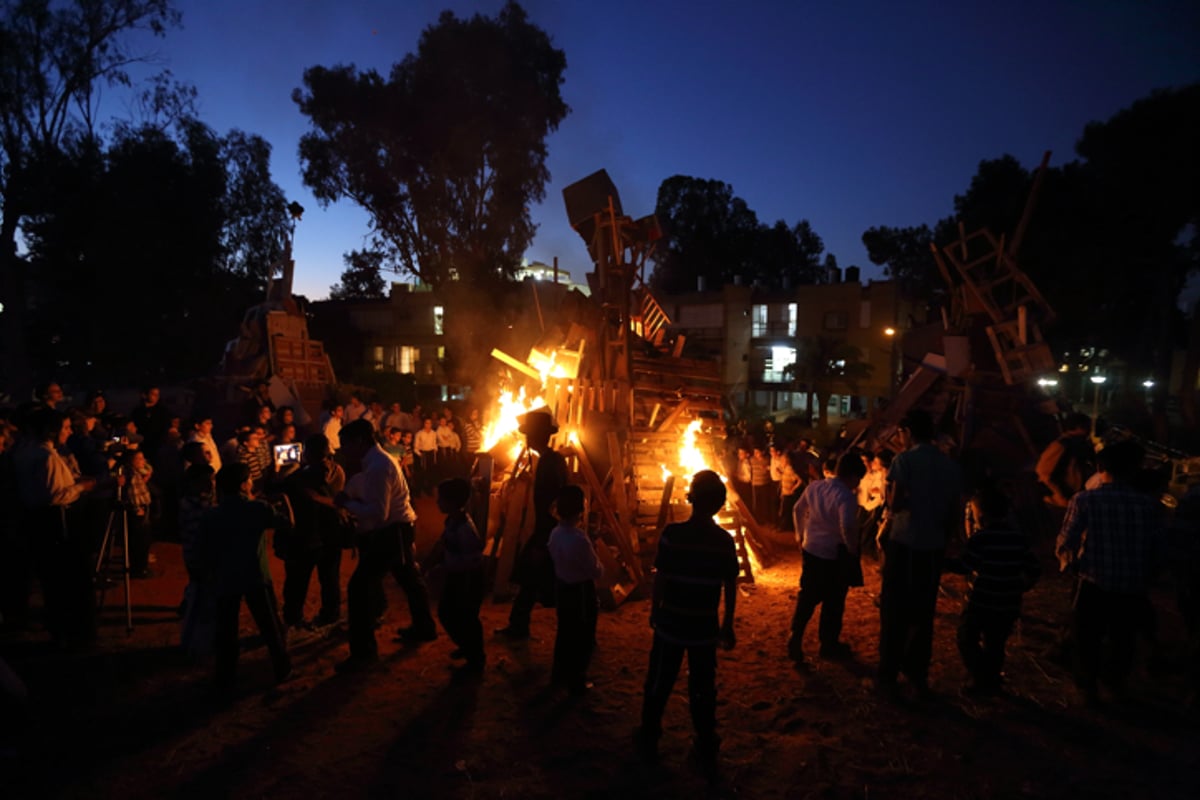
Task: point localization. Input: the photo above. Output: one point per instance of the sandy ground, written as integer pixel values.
(136, 719)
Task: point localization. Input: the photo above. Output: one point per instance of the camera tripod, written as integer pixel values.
(117, 525)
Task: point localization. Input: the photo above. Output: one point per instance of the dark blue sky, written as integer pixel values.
(848, 114)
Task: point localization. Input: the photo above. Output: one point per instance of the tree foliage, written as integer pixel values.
(711, 234)
(447, 153)
(139, 260)
(53, 58)
(362, 278)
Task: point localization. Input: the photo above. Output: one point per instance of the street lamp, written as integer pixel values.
(1097, 382)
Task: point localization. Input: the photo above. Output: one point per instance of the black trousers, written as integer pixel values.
(458, 611)
(907, 604)
(575, 639)
(378, 552)
(1099, 615)
(821, 583)
(665, 660)
(298, 570)
(62, 545)
(982, 634)
(261, 602)
(406, 573)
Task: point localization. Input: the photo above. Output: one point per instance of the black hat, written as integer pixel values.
(539, 419)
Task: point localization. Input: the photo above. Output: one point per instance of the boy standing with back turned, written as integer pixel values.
(696, 560)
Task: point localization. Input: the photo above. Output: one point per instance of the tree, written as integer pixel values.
(131, 259)
(708, 234)
(361, 280)
(786, 257)
(448, 152)
(711, 234)
(906, 258)
(52, 60)
(826, 363)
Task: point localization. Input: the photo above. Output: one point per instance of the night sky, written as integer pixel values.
(848, 114)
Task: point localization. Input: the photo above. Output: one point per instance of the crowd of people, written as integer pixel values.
(361, 464)
(73, 472)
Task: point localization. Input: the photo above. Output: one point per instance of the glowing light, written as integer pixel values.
(889, 331)
(506, 420)
(1098, 379)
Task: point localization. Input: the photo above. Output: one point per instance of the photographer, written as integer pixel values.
(49, 491)
(316, 541)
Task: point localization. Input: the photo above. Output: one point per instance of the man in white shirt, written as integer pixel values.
(826, 519)
(331, 427)
(384, 516)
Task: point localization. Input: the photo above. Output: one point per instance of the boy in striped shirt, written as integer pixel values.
(1000, 568)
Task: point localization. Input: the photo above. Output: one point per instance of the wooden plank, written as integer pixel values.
(619, 534)
(674, 416)
(620, 498)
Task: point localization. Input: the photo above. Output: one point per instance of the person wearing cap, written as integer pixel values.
(534, 571)
(924, 496)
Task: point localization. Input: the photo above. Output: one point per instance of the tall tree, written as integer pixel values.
(709, 234)
(786, 256)
(448, 152)
(906, 258)
(132, 259)
(53, 58)
(362, 278)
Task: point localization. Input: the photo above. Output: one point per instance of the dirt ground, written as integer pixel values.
(136, 719)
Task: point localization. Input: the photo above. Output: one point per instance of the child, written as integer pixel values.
(576, 569)
(1004, 568)
(696, 563)
(460, 554)
(137, 504)
(197, 608)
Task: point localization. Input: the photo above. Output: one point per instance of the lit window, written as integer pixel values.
(441, 354)
(779, 359)
(406, 364)
(439, 319)
(377, 358)
(791, 329)
(759, 321)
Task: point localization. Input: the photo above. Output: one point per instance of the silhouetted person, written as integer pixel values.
(231, 552)
(459, 553)
(315, 543)
(534, 571)
(1114, 539)
(1001, 568)
(576, 569)
(925, 499)
(696, 561)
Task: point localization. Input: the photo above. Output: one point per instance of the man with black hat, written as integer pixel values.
(534, 571)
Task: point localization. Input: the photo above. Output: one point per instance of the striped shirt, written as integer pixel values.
(695, 559)
(1114, 536)
(1002, 568)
